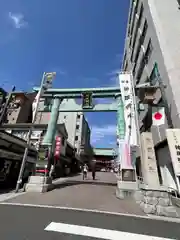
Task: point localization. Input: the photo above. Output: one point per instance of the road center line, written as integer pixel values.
(97, 232)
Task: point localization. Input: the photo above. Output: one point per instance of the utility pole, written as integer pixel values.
(19, 181)
(45, 83)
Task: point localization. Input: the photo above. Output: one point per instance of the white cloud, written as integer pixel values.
(114, 81)
(114, 72)
(113, 78)
(17, 20)
(61, 72)
(105, 131)
(58, 70)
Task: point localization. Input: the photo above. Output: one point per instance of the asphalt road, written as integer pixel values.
(30, 223)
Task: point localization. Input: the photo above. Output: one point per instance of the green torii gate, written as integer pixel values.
(87, 95)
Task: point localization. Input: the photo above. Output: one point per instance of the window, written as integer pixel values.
(141, 68)
(134, 68)
(141, 41)
(77, 126)
(137, 54)
(126, 66)
(145, 27)
(76, 138)
(78, 116)
(148, 52)
(130, 17)
(134, 16)
(136, 31)
(65, 116)
(124, 60)
(154, 74)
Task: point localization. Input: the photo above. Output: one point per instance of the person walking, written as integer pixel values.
(94, 172)
(85, 170)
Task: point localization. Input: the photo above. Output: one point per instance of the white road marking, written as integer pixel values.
(150, 217)
(97, 232)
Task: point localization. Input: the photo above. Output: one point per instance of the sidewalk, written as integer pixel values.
(73, 192)
(101, 177)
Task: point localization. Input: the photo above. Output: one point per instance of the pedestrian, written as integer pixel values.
(93, 172)
(85, 170)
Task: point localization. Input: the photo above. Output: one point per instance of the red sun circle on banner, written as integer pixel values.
(158, 116)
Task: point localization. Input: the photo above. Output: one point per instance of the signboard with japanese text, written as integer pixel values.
(87, 100)
(173, 138)
(57, 147)
(149, 163)
(125, 81)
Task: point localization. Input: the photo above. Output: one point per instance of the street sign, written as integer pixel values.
(87, 100)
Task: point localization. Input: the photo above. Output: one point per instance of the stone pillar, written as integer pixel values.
(51, 130)
(152, 197)
(148, 161)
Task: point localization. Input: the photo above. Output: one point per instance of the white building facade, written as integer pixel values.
(153, 46)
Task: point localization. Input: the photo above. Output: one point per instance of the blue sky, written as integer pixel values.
(82, 40)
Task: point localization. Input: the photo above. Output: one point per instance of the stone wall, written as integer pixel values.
(156, 202)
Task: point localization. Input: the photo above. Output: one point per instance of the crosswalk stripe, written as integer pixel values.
(97, 232)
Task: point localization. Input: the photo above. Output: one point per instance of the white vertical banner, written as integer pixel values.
(125, 81)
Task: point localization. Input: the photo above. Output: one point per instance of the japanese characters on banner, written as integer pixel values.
(125, 81)
(57, 147)
(173, 138)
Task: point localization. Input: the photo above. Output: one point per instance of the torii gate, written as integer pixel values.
(87, 95)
